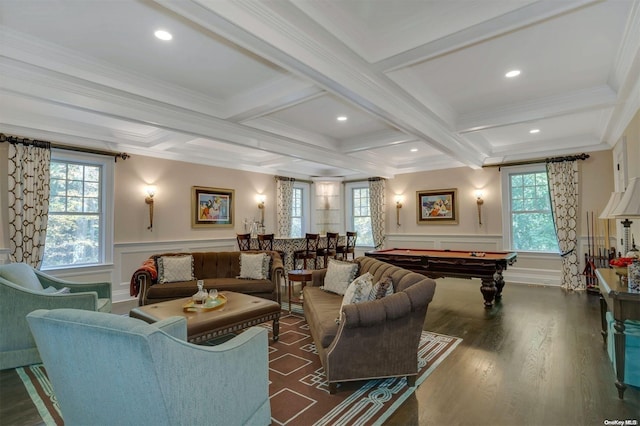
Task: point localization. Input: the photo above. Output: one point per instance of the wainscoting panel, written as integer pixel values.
(530, 268)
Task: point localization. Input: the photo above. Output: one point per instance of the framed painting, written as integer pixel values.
(211, 207)
(437, 206)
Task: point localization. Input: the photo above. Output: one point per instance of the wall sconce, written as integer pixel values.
(150, 192)
(261, 198)
(479, 202)
(398, 207)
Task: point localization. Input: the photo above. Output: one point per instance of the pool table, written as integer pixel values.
(487, 266)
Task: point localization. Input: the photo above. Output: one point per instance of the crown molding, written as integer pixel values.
(581, 100)
(549, 148)
(626, 78)
(627, 55)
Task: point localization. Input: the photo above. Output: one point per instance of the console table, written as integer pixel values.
(624, 305)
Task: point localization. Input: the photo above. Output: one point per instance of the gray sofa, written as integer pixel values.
(373, 339)
(218, 270)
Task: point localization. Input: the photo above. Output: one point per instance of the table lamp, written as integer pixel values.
(629, 206)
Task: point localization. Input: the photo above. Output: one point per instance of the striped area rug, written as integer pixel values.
(298, 390)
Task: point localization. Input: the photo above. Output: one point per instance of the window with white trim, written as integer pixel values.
(80, 223)
(359, 212)
(527, 218)
(300, 209)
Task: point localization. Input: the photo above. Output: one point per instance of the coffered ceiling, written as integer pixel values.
(258, 85)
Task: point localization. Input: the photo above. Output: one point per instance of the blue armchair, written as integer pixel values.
(24, 289)
(108, 369)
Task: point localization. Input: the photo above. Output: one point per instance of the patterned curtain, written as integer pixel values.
(28, 200)
(563, 189)
(284, 194)
(377, 206)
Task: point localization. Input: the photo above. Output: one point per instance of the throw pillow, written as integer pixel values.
(359, 290)
(254, 266)
(175, 269)
(383, 288)
(22, 275)
(339, 275)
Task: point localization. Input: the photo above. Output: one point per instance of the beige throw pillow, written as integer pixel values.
(175, 269)
(339, 276)
(254, 266)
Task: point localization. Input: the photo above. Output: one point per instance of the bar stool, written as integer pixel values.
(350, 246)
(265, 242)
(311, 252)
(330, 249)
(244, 241)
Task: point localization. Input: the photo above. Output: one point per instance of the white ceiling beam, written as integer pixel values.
(284, 35)
(64, 91)
(511, 21)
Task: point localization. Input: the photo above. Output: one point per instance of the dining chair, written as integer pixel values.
(308, 254)
(330, 249)
(265, 242)
(244, 241)
(349, 247)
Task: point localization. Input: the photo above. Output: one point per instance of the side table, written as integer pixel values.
(293, 276)
(624, 305)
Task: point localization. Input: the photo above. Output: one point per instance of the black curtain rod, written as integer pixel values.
(26, 141)
(541, 160)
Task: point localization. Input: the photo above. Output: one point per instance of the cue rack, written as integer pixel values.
(597, 254)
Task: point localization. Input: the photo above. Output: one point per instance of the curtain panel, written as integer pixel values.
(377, 206)
(284, 195)
(563, 180)
(28, 201)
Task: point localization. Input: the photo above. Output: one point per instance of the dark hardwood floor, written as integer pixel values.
(536, 359)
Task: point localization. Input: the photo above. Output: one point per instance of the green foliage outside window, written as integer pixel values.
(532, 226)
(73, 230)
(362, 216)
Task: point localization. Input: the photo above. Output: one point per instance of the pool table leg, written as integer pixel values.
(492, 288)
(499, 280)
(488, 289)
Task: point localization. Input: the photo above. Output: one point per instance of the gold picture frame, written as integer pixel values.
(437, 206)
(212, 207)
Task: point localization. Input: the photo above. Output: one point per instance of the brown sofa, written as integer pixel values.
(218, 270)
(373, 339)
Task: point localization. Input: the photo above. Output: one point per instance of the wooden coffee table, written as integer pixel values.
(239, 312)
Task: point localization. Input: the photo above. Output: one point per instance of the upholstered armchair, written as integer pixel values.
(107, 369)
(24, 289)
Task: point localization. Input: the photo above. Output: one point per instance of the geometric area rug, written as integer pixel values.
(298, 390)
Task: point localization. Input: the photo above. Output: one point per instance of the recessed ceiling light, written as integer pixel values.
(534, 131)
(512, 73)
(163, 35)
(342, 118)
(414, 149)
